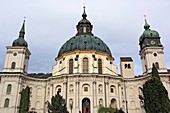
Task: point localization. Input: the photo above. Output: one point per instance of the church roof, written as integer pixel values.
(126, 59)
(84, 39)
(40, 75)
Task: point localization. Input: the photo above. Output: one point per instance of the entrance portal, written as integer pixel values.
(86, 105)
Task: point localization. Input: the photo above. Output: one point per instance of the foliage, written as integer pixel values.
(106, 110)
(57, 105)
(109, 110)
(25, 100)
(155, 72)
(155, 95)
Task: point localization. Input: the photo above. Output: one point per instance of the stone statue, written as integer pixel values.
(86, 106)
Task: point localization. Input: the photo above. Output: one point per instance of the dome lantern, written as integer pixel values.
(84, 26)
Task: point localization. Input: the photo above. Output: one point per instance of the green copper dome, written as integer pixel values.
(84, 43)
(148, 33)
(20, 41)
(84, 40)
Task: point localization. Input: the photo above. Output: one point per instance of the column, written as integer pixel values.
(119, 94)
(77, 66)
(107, 94)
(51, 90)
(94, 94)
(64, 89)
(77, 97)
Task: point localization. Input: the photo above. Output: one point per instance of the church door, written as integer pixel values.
(86, 105)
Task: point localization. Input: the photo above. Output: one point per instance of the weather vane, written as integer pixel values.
(84, 4)
(145, 17)
(24, 18)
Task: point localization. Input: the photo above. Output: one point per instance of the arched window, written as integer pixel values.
(112, 89)
(113, 103)
(100, 66)
(100, 102)
(85, 65)
(6, 104)
(58, 89)
(9, 87)
(13, 65)
(129, 66)
(157, 65)
(71, 66)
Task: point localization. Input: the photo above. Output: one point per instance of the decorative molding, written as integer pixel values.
(160, 52)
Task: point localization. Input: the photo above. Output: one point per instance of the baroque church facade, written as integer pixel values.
(84, 74)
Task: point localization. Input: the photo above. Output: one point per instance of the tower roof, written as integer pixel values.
(126, 59)
(148, 33)
(20, 41)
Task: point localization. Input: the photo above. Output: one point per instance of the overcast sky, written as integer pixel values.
(49, 23)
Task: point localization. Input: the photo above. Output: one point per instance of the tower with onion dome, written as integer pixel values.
(151, 50)
(17, 56)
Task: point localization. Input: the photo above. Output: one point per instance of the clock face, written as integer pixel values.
(152, 42)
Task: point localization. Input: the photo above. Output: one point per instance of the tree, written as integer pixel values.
(155, 95)
(57, 105)
(106, 110)
(109, 110)
(25, 100)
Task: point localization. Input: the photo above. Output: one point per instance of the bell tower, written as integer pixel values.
(151, 50)
(17, 55)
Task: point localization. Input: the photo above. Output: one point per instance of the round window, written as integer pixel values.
(15, 54)
(155, 54)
